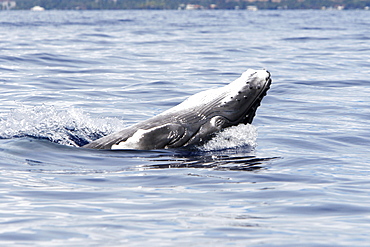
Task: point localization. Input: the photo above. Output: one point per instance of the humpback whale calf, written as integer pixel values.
(195, 120)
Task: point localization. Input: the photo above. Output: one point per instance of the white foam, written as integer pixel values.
(233, 137)
(64, 126)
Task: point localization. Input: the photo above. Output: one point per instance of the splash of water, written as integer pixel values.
(70, 127)
(242, 135)
(73, 127)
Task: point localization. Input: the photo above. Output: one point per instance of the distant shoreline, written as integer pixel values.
(250, 5)
(176, 10)
(323, 10)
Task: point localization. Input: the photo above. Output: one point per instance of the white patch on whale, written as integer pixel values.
(133, 142)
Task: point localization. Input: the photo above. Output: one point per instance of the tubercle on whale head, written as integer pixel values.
(255, 78)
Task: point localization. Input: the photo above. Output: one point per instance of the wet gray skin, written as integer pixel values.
(195, 120)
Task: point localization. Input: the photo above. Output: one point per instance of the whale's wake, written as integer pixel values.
(73, 127)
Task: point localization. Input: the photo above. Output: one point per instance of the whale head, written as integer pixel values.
(242, 97)
(210, 111)
(225, 106)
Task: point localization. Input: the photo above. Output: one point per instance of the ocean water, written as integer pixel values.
(298, 176)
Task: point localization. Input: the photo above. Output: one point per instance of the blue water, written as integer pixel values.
(299, 176)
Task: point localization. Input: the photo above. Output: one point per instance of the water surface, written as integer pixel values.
(298, 176)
